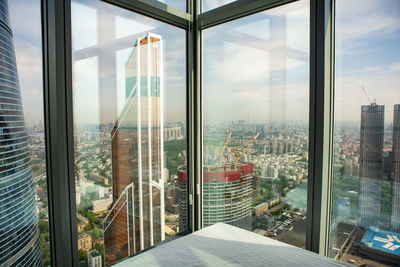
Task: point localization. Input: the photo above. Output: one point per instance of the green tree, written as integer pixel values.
(43, 227)
(82, 255)
(46, 255)
(96, 234)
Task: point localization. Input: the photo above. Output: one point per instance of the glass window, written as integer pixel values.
(129, 91)
(211, 4)
(24, 225)
(365, 219)
(255, 112)
(179, 4)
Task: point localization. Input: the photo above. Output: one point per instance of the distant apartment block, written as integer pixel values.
(85, 242)
(94, 259)
(173, 133)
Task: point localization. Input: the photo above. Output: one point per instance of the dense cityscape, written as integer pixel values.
(130, 167)
(279, 181)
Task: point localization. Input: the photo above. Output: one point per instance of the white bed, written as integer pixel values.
(226, 245)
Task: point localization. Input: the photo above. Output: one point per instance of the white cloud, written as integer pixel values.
(395, 66)
(25, 18)
(29, 65)
(373, 19)
(384, 86)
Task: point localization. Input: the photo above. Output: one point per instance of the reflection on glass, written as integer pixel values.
(179, 4)
(211, 4)
(129, 115)
(255, 104)
(365, 219)
(24, 230)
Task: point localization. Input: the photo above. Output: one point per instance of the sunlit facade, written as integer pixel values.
(136, 219)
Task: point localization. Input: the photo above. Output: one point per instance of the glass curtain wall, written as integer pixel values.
(24, 229)
(255, 122)
(129, 97)
(365, 218)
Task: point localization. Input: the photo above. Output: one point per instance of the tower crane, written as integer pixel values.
(239, 158)
(221, 151)
(373, 101)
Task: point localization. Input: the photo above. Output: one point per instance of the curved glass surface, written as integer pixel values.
(19, 232)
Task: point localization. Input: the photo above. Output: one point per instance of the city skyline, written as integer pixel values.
(130, 135)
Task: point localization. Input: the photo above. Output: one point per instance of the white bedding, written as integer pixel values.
(226, 245)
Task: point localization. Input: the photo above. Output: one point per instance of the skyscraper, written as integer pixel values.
(136, 218)
(395, 218)
(227, 195)
(371, 163)
(19, 233)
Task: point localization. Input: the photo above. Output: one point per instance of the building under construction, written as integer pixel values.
(226, 195)
(227, 191)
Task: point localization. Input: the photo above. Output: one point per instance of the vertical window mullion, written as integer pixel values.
(58, 131)
(321, 124)
(195, 118)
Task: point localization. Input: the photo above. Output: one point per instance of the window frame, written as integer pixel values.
(58, 106)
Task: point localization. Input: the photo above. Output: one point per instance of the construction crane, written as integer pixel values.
(373, 101)
(239, 158)
(221, 151)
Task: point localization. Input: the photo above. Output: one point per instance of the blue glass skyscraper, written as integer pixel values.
(19, 234)
(371, 163)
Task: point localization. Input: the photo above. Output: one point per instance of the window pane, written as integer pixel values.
(24, 229)
(179, 4)
(129, 86)
(365, 221)
(211, 4)
(255, 110)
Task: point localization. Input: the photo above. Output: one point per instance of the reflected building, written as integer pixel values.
(136, 218)
(395, 218)
(227, 195)
(371, 163)
(19, 232)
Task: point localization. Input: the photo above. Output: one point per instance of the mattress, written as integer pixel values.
(227, 245)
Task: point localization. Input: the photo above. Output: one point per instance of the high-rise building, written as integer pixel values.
(226, 195)
(261, 130)
(371, 163)
(395, 218)
(136, 218)
(19, 232)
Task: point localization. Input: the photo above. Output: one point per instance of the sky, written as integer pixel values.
(255, 68)
(26, 26)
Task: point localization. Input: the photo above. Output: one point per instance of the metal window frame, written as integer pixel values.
(57, 82)
(57, 64)
(320, 125)
(236, 10)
